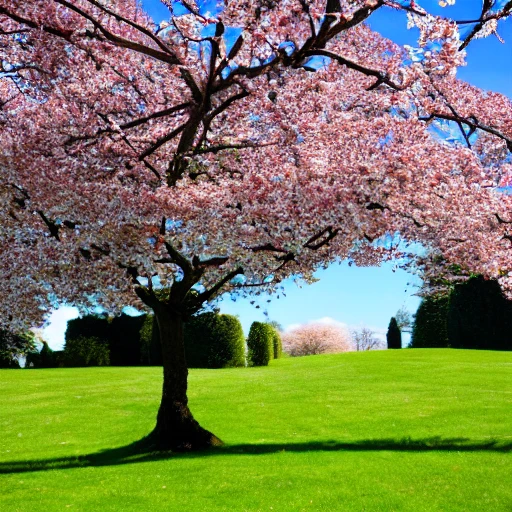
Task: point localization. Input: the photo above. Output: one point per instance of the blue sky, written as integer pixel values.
(350, 295)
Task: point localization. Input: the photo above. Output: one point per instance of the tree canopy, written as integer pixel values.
(132, 150)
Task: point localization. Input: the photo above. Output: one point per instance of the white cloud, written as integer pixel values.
(58, 322)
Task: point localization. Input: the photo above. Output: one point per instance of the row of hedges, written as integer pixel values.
(474, 315)
(212, 340)
(121, 336)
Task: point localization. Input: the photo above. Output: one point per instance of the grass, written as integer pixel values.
(410, 430)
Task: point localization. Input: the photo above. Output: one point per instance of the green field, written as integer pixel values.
(409, 430)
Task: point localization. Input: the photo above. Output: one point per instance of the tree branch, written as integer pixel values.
(134, 25)
(155, 115)
(471, 123)
(382, 78)
(329, 231)
(211, 262)
(164, 56)
(161, 141)
(215, 289)
(267, 247)
(50, 224)
(178, 259)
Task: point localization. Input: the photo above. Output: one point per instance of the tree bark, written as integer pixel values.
(176, 429)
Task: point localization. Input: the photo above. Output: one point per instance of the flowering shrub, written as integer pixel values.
(316, 338)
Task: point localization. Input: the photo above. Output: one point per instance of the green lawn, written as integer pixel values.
(409, 430)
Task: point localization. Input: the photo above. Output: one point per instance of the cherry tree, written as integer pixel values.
(162, 165)
(316, 338)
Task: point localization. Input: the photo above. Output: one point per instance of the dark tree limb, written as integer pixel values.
(329, 231)
(381, 77)
(216, 288)
(161, 141)
(155, 115)
(473, 123)
(178, 259)
(162, 55)
(211, 262)
(64, 34)
(50, 224)
(501, 221)
(267, 247)
(134, 25)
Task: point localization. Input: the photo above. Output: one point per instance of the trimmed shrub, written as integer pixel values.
(429, 329)
(214, 341)
(228, 343)
(260, 344)
(276, 341)
(394, 336)
(476, 315)
(317, 338)
(84, 351)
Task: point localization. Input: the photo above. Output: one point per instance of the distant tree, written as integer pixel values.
(394, 336)
(260, 344)
(13, 346)
(365, 339)
(404, 320)
(430, 329)
(316, 338)
(122, 334)
(276, 325)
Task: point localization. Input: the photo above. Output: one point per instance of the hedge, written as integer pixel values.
(214, 341)
(260, 344)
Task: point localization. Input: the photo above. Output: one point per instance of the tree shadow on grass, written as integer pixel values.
(140, 451)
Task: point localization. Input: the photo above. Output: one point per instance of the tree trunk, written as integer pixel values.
(176, 429)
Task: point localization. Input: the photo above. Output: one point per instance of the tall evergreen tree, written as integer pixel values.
(394, 335)
(479, 316)
(429, 328)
